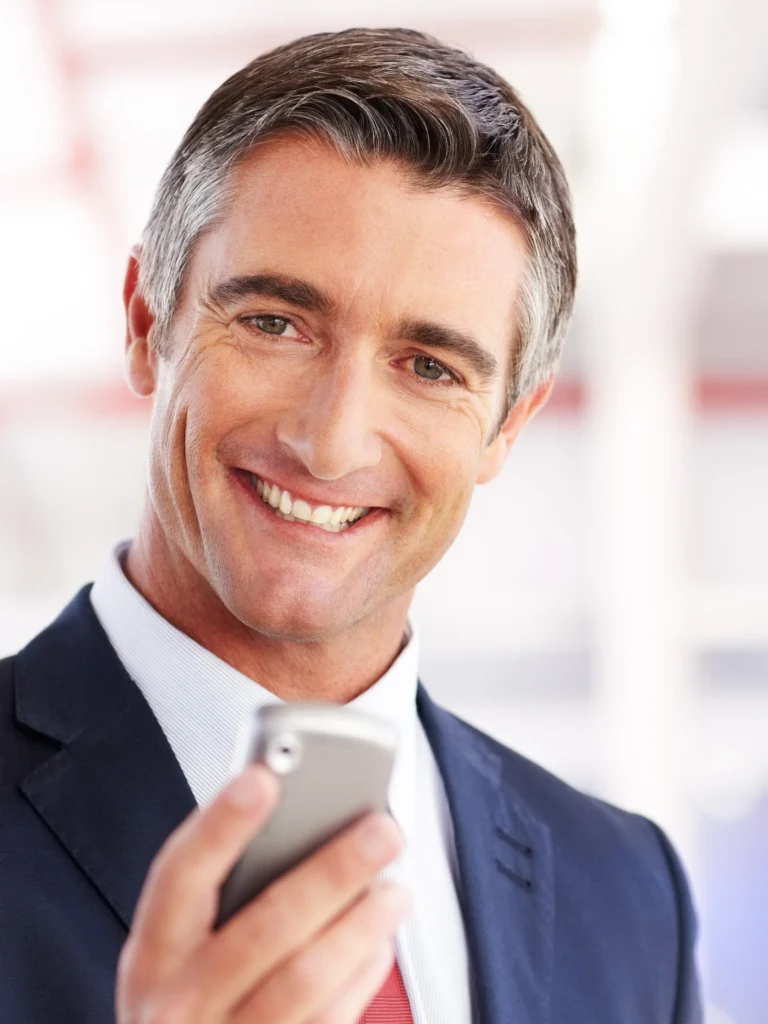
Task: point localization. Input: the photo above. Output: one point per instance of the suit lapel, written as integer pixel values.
(506, 874)
(114, 791)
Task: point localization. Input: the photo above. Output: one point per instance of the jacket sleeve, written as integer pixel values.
(688, 1002)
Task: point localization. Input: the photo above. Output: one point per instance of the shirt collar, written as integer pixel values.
(200, 701)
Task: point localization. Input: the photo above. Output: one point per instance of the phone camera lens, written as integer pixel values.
(283, 753)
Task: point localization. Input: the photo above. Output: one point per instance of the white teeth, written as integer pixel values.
(333, 520)
(302, 510)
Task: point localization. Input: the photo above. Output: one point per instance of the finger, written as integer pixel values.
(303, 985)
(360, 991)
(179, 901)
(292, 910)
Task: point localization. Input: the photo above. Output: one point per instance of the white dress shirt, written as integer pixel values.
(201, 703)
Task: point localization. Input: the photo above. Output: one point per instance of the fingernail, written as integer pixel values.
(246, 790)
(376, 839)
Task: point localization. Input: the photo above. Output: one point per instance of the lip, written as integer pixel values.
(299, 531)
(299, 492)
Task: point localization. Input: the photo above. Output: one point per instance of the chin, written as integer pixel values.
(301, 616)
(295, 626)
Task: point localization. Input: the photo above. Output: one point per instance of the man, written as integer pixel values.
(350, 297)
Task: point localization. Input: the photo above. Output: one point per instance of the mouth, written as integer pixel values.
(295, 509)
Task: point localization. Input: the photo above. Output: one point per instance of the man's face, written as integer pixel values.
(342, 337)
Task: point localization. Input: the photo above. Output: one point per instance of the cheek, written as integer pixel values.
(446, 476)
(221, 392)
(234, 388)
(183, 432)
(442, 499)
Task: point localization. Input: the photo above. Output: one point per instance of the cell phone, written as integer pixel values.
(334, 763)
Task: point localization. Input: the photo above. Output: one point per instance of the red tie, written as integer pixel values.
(390, 1005)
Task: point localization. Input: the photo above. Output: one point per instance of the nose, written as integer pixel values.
(331, 429)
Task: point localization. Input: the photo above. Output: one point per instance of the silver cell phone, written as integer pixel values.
(334, 764)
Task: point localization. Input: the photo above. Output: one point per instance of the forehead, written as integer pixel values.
(366, 235)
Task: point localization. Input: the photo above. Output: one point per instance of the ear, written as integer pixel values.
(140, 354)
(495, 455)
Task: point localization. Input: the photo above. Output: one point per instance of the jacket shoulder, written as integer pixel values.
(622, 863)
(564, 808)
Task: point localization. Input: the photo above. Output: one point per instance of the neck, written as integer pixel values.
(336, 669)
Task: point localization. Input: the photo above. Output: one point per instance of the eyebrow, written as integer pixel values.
(304, 295)
(449, 339)
(292, 290)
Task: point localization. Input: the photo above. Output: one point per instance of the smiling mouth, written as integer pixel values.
(332, 519)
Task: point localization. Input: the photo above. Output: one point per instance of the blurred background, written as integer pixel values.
(605, 610)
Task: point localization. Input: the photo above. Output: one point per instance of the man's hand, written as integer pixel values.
(314, 946)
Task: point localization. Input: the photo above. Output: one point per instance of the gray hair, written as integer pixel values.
(378, 94)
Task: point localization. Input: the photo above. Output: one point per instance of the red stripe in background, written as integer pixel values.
(112, 400)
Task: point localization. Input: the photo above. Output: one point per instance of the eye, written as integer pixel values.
(277, 326)
(430, 369)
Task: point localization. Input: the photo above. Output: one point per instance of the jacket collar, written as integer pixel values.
(114, 791)
(112, 809)
(506, 872)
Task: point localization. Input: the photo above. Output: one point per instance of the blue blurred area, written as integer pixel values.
(735, 932)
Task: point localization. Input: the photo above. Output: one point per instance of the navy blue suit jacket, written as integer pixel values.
(575, 912)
